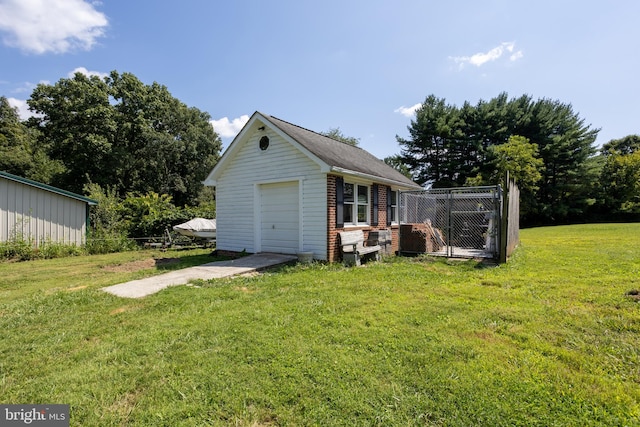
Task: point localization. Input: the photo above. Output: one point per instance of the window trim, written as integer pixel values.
(392, 209)
(355, 204)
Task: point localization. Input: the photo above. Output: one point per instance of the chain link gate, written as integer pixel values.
(452, 222)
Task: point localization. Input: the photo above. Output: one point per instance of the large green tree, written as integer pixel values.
(620, 175)
(120, 133)
(14, 141)
(19, 153)
(439, 151)
(448, 145)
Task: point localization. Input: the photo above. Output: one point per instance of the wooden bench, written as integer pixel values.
(353, 248)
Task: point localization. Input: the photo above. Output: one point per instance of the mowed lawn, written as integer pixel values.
(551, 338)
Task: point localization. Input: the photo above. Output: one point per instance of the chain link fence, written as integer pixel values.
(452, 222)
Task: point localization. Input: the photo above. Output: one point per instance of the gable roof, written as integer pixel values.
(46, 187)
(333, 155)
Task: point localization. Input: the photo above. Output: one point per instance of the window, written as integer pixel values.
(393, 207)
(356, 204)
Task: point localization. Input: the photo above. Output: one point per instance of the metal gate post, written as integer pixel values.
(504, 221)
(449, 224)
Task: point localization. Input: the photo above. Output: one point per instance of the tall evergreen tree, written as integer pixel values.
(451, 146)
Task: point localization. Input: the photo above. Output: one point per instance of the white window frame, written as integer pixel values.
(353, 205)
(395, 212)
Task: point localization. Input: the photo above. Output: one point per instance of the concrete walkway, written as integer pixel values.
(213, 270)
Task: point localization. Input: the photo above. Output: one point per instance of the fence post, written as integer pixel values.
(504, 221)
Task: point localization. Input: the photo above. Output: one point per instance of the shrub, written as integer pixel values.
(23, 249)
(104, 242)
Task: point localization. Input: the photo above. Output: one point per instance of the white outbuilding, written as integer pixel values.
(286, 189)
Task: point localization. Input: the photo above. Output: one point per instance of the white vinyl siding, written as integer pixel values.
(33, 214)
(237, 191)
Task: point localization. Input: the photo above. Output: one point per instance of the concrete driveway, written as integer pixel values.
(213, 270)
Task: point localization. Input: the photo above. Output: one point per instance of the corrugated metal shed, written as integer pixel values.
(37, 212)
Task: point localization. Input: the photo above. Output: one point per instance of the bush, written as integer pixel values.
(18, 249)
(49, 249)
(21, 249)
(103, 242)
(151, 214)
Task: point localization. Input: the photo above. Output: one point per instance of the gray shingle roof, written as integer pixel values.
(338, 154)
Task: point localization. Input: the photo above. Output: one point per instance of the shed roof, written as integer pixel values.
(46, 187)
(333, 155)
(339, 155)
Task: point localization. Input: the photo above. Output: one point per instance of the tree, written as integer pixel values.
(520, 158)
(336, 133)
(435, 152)
(19, 154)
(120, 133)
(627, 145)
(621, 182)
(14, 152)
(397, 163)
(450, 146)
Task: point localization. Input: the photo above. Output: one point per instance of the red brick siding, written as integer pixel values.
(333, 239)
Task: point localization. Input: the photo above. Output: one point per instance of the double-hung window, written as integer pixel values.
(356, 204)
(392, 207)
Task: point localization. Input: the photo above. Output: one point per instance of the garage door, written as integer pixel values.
(280, 218)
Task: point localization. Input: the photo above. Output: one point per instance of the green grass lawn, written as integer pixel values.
(551, 338)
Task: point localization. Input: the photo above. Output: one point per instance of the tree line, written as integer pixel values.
(127, 139)
(544, 144)
(115, 132)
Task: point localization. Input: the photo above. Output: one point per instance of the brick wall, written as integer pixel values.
(333, 250)
(333, 239)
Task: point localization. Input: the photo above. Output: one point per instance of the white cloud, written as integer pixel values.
(229, 129)
(516, 56)
(58, 26)
(408, 111)
(23, 108)
(24, 88)
(494, 54)
(87, 73)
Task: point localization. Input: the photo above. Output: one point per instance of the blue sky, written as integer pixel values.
(358, 65)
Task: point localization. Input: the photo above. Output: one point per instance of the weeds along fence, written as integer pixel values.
(465, 222)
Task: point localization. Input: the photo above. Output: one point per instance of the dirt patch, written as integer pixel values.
(76, 288)
(634, 295)
(144, 264)
(125, 404)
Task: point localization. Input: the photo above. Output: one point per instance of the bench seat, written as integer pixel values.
(353, 248)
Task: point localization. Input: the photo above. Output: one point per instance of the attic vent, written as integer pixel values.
(264, 143)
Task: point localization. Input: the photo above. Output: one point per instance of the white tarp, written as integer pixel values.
(197, 227)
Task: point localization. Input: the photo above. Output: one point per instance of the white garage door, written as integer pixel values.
(280, 219)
